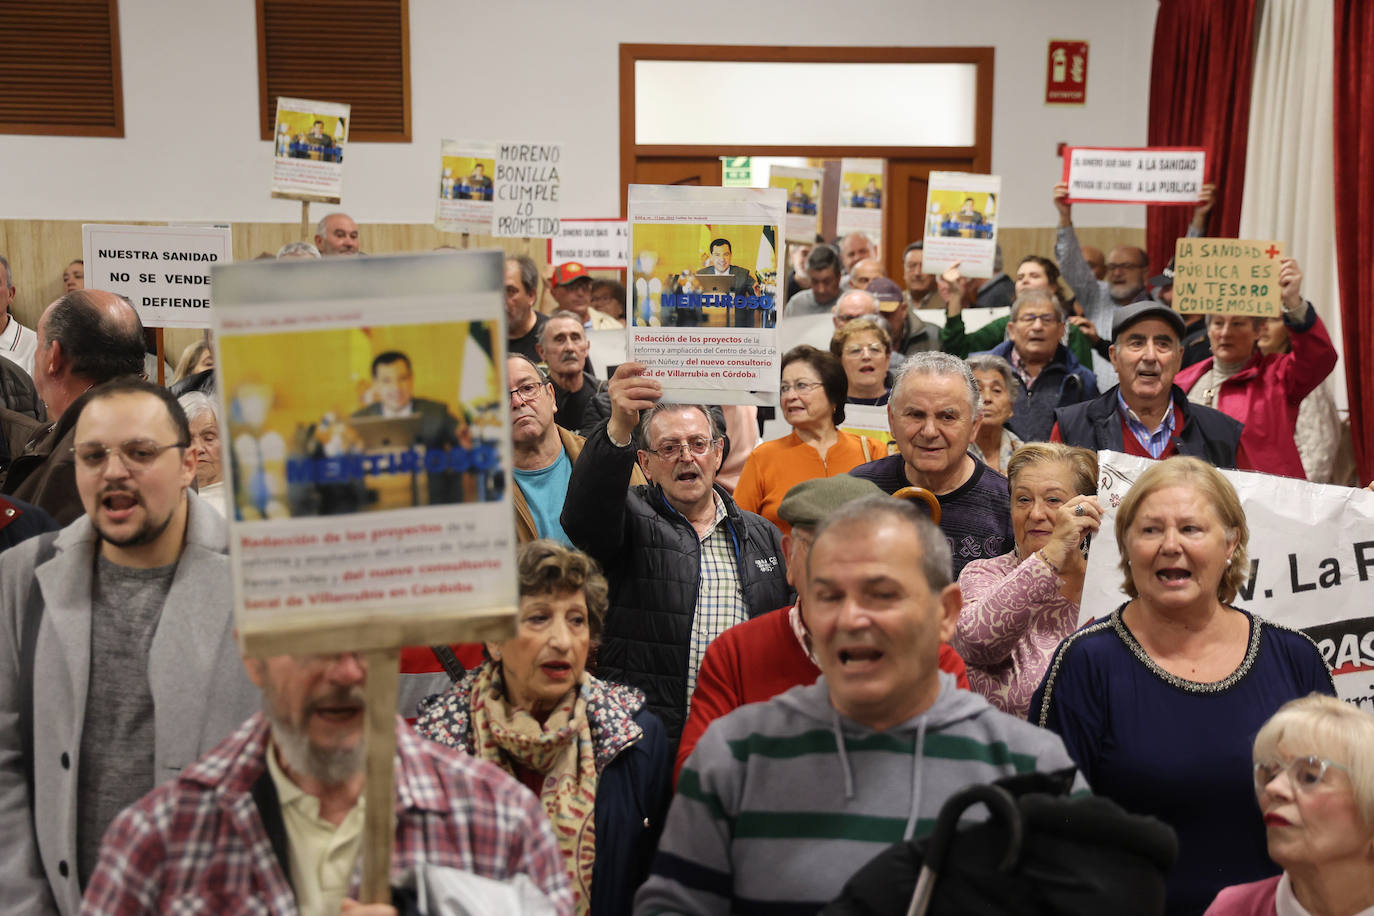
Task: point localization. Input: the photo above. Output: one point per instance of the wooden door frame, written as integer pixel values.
(980, 153)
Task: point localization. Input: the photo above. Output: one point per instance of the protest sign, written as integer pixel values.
(961, 222)
(465, 186)
(1149, 175)
(164, 271)
(1311, 559)
(308, 153)
(870, 421)
(369, 470)
(861, 199)
(804, 190)
(704, 295)
(527, 186)
(596, 244)
(1228, 277)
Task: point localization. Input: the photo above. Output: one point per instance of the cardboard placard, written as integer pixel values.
(1228, 277)
(527, 187)
(862, 183)
(961, 222)
(1141, 175)
(466, 186)
(164, 271)
(704, 295)
(369, 475)
(308, 150)
(596, 244)
(1320, 581)
(805, 190)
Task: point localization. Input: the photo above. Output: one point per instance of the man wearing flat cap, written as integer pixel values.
(770, 654)
(1146, 414)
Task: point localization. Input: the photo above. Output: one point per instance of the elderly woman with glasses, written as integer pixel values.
(590, 750)
(1051, 376)
(1314, 779)
(811, 398)
(864, 349)
(1158, 701)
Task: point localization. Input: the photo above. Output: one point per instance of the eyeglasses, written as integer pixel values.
(527, 392)
(1118, 265)
(695, 446)
(1305, 773)
(1028, 320)
(864, 350)
(136, 454)
(802, 388)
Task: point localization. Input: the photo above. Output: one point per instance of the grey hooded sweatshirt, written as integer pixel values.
(781, 802)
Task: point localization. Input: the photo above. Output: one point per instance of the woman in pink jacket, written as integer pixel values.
(1262, 390)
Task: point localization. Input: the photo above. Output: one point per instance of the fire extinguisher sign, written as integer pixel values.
(1066, 74)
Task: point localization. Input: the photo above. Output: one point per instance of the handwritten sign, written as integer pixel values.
(527, 186)
(164, 272)
(596, 244)
(1152, 175)
(1227, 277)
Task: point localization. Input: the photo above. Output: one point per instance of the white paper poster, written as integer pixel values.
(466, 186)
(861, 199)
(705, 290)
(373, 486)
(309, 150)
(1152, 175)
(596, 244)
(804, 188)
(164, 271)
(527, 185)
(961, 222)
(1311, 555)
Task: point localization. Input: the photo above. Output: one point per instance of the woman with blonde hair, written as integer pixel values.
(1314, 779)
(1157, 703)
(1019, 606)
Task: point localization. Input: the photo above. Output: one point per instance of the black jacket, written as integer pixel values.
(1203, 433)
(651, 555)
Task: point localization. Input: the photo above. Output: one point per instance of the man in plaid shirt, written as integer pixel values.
(271, 820)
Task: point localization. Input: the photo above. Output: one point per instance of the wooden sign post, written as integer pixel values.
(351, 531)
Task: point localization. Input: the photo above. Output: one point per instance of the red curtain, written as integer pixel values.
(1200, 96)
(1354, 150)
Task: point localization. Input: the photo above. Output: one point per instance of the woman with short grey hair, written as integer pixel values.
(1000, 388)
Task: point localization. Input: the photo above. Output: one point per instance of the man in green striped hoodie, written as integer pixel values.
(781, 802)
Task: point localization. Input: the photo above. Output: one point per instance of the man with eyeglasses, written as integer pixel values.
(118, 665)
(683, 561)
(1051, 376)
(1146, 414)
(85, 338)
(543, 453)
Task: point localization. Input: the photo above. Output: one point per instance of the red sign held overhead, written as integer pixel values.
(1066, 74)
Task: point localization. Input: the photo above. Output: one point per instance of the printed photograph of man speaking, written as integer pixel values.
(695, 275)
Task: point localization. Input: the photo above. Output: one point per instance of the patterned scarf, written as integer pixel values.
(561, 749)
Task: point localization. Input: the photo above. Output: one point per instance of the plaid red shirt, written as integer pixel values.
(198, 845)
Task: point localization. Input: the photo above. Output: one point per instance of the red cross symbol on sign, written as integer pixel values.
(1272, 251)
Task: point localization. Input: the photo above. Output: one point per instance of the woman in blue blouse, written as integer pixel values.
(1159, 702)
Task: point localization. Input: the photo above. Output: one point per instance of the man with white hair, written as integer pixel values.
(337, 234)
(17, 343)
(856, 247)
(934, 413)
(297, 250)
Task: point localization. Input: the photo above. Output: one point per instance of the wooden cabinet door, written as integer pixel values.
(697, 170)
(907, 183)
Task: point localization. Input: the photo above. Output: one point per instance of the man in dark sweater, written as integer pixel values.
(934, 415)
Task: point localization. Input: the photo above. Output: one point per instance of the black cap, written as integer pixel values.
(1128, 315)
(1164, 279)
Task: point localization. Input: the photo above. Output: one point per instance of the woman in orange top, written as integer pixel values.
(811, 398)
